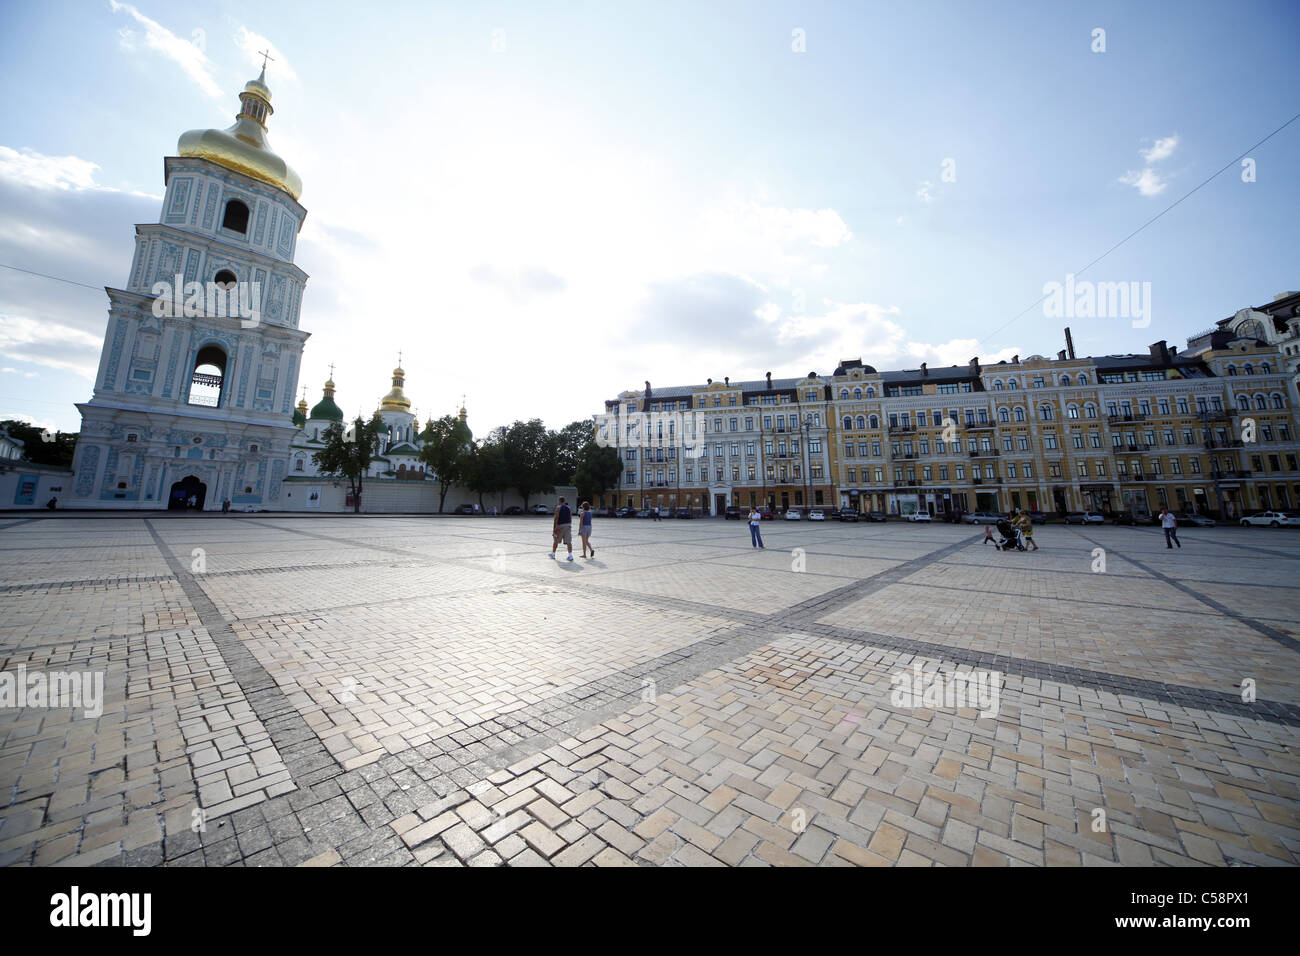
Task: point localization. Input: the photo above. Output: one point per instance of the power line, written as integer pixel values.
(42, 275)
(1144, 225)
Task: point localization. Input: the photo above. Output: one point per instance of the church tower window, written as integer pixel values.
(235, 217)
(208, 377)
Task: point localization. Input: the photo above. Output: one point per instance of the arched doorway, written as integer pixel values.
(188, 493)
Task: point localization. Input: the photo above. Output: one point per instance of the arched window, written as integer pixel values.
(1083, 380)
(235, 217)
(1065, 380)
(1004, 415)
(1265, 368)
(862, 421)
(997, 385)
(1277, 401)
(1019, 413)
(1243, 402)
(1071, 411)
(844, 393)
(848, 422)
(1260, 403)
(871, 392)
(225, 279)
(1045, 412)
(1090, 410)
(1013, 384)
(208, 377)
(875, 421)
(1232, 370)
(857, 393)
(297, 463)
(1250, 369)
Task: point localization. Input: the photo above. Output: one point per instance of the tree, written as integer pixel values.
(40, 445)
(348, 453)
(487, 469)
(569, 443)
(529, 453)
(448, 451)
(598, 470)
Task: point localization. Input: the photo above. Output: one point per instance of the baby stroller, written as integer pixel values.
(1011, 537)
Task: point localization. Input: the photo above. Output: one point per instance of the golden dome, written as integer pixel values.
(244, 147)
(396, 400)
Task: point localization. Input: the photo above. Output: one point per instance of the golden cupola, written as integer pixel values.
(244, 147)
(396, 400)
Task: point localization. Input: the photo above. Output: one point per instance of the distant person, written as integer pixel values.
(988, 535)
(584, 529)
(1026, 527)
(225, 505)
(1170, 524)
(755, 535)
(562, 528)
(52, 503)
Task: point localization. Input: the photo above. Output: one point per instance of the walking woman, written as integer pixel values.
(755, 536)
(584, 529)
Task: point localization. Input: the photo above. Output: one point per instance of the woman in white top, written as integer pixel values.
(755, 536)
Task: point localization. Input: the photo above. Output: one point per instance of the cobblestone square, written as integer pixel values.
(282, 691)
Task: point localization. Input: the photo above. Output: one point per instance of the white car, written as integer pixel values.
(919, 516)
(794, 514)
(539, 510)
(1271, 519)
(816, 516)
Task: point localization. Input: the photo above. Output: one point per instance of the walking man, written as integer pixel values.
(584, 529)
(755, 536)
(1170, 524)
(562, 529)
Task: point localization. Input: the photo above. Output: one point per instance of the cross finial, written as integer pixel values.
(399, 358)
(265, 56)
(331, 371)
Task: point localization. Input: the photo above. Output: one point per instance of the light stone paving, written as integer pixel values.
(360, 690)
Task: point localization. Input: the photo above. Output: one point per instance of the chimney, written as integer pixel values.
(975, 365)
(710, 381)
(1015, 360)
(769, 379)
(1160, 352)
(1060, 356)
(726, 380)
(924, 370)
(1069, 343)
(647, 389)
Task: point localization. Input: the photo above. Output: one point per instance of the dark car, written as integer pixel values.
(647, 513)
(1125, 517)
(876, 516)
(1195, 521)
(767, 514)
(1037, 517)
(513, 510)
(848, 514)
(626, 513)
(734, 511)
(464, 510)
(683, 513)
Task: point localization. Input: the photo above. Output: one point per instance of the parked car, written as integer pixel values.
(982, 517)
(793, 514)
(876, 516)
(513, 510)
(464, 510)
(816, 515)
(606, 513)
(1126, 517)
(831, 513)
(919, 516)
(1037, 517)
(1271, 519)
(683, 513)
(1195, 521)
(734, 511)
(848, 514)
(539, 510)
(648, 513)
(767, 514)
(1085, 517)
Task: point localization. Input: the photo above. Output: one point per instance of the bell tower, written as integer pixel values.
(193, 399)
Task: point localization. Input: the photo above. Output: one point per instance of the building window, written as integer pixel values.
(235, 217)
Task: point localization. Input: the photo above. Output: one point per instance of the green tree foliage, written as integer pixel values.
(348, 453)
(598, 470)
(41, 446)
(448, 451)
(529, 451)
(487, 469)
(569, 442)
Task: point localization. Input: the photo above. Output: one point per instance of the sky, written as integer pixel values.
(542, 205)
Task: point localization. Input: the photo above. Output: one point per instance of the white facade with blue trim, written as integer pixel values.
(193, 406)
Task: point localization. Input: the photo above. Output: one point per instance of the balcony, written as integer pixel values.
(1220, 415)
(981, 426)
(904, 482)
(1126, 417)
(901, 428)
(985, 453)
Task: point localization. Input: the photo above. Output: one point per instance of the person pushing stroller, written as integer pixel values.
(1011, 536)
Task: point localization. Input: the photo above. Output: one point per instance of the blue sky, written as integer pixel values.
(623, 192)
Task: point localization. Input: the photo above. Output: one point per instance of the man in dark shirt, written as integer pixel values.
(562, 528)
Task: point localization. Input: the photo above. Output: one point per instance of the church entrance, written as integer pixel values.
(187, 494)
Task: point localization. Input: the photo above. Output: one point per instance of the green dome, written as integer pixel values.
(326, 408)
(299, 419)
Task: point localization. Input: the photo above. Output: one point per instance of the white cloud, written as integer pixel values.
(184, 53)
(49, 343)
(925, 191)
(251, 46)
(1147, 182)
(28, 168)
(1162, 149)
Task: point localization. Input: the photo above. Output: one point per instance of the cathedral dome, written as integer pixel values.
(396, 400)
(326, 408)
(244, 147)
(300, 414)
